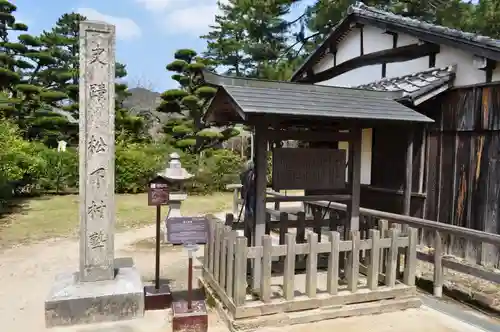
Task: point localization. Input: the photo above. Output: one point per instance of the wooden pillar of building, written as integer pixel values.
(260, 145)
(408, 174)
(354, 181)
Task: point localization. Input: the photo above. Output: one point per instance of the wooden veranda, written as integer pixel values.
(281, 111)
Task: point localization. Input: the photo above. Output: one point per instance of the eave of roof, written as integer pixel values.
(251, 97)
(360, 13)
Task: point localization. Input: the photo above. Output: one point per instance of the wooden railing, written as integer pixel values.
(439, 238)
(226, 267)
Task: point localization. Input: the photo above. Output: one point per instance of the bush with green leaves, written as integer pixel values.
(19, 160)
(217, 168)
(60, 172)
(137, 163)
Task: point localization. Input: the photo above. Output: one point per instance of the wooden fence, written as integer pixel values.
(436, 241)
(227, 258)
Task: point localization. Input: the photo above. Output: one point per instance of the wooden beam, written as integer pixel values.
(307, 136)
(260, 197)
(354, 180)
(490, 66)
(408, 174)
(397, 54)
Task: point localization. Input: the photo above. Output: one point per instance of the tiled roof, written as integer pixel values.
(250, 96)
(363, 10)
(416, 83)
(360, 13)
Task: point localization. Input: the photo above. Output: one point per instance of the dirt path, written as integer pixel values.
(27, 273)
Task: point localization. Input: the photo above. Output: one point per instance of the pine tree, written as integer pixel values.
(226, 41)
(186, 106)
(63, 41)
(21, 62)
(250, 37)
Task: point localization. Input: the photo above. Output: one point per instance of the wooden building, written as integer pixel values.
(450, 76)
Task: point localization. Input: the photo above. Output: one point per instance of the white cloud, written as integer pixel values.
(126, 28)
(191, 20)
(155, 5)
(191, 17)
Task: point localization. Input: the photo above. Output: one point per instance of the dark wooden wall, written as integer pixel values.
(464, 158)
(462, 177)
(388, 170)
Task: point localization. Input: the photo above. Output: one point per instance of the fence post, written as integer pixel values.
(353, 262)
(218, 236)
(312, 265)
(383, 226)
(211, 247)
(240, 271)
(392, 257)
(289, 270)
(223, 256)
(265, 279)
(230, 263)
(333, 263)
(373, 267)
(438, 264)
(410, 268)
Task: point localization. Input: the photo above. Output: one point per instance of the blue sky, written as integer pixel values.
(148, 31)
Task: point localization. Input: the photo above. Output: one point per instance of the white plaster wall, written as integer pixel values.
(466, 73)
(405, 40)
(496, 74)
(366, 155)
(376, 40)
(324, 64)
(356, 77)
(349, 47)
(407, 67)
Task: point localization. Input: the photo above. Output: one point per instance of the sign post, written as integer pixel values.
(159, 297)
(189, 314)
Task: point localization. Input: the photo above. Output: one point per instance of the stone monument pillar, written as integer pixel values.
(104, 289)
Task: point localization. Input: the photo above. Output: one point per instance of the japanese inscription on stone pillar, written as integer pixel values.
(96, 148)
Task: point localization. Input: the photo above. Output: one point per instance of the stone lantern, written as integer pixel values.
(176, 176)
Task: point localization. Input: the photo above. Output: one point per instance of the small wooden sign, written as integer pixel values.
(308, 168)
(187, 230)
(158, 191)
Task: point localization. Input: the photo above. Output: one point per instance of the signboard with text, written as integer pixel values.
(308, 168)
(158, 193)
(187, 230)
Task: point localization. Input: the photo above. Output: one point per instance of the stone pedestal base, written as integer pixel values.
(157, 299)
(194, 320)
(71, 302)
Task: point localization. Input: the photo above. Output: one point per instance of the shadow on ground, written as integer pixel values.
(17, 205)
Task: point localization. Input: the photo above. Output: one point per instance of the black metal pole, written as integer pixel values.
(157, 267)
(190, 283)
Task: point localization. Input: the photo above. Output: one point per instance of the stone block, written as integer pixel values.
(72, 302)
(157, 299)
(186, 320)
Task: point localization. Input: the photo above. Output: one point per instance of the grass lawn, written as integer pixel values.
(57, 216)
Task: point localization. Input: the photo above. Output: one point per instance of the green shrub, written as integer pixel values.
(216, 169)
(60, 171)
(137, 163)
(18, 160)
